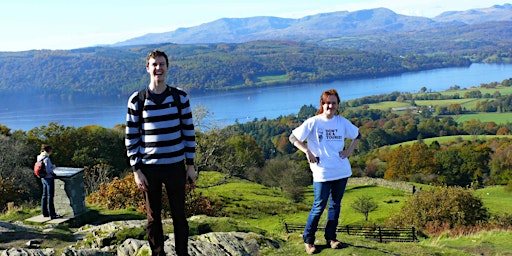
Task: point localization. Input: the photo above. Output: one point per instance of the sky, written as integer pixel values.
(70, 24)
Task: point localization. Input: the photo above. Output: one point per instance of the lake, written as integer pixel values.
(25, 113)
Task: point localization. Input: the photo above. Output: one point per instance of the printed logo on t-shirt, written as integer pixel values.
(331, 134)
(320, 133)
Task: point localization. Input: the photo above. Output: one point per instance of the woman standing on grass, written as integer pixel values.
(325, 134)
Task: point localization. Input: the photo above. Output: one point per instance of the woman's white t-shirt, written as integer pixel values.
(325, 139)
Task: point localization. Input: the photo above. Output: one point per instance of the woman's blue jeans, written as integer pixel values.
(47, 206)
(323, 191)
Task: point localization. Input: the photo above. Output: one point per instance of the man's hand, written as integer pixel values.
(141, 180)
(191, 174)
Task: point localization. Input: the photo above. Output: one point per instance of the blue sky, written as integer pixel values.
(70, 24)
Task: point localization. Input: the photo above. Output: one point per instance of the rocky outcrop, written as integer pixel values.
(99, 238)
(211, 244)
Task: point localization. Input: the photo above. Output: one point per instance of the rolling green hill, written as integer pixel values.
(119, 71)
(267, 209)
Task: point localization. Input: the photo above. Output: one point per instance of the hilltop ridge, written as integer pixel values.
(318, 26)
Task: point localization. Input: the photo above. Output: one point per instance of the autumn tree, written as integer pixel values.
(398, 164)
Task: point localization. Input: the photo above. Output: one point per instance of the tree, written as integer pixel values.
(364, 205)
(243, 152)
(14, 159)
(398, 164)
(288, 175)
(306, 112)
(437, 209)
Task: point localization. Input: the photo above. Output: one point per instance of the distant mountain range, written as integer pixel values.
(267, 51)
(320, 26)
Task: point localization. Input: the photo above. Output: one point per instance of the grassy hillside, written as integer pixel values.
(448, 139)
(498, 118)
(268, 209)
(468, 104)
(260, 209)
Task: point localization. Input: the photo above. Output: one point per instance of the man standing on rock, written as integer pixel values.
(160, 143)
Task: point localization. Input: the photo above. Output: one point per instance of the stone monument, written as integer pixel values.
(69, 196)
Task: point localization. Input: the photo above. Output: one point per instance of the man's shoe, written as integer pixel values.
(310, 248)
(334, 244)
(56, 217)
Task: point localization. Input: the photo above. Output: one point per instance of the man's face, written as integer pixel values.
(157, 68)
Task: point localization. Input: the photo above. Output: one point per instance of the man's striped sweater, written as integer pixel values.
(158, 138)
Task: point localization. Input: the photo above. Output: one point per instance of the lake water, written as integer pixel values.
(25, 113)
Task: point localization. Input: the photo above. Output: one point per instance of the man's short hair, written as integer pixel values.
(156, 53)
(46, 148)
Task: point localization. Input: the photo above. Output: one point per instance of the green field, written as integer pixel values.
(448, 139)
(385, 105)
(444, 103)
(501, 89)
(267, 209)
(269, 79)
(498, 118)
(256, 208)
(496, 199)
(467, 104)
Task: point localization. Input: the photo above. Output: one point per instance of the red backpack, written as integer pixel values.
(40, 168)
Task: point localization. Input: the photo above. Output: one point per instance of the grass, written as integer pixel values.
(443, 103)
(449, 139)
(496, 199)
(19, 214)
(269, 79)
(501, 89)
(498, 118)
(269, 210)
(255, 208)
(354, 245)
(385, 105)
(483, 243)
(468, 104)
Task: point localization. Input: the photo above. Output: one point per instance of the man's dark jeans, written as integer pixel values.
(174, 179)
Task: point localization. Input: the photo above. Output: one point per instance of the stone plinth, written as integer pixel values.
(69, 197)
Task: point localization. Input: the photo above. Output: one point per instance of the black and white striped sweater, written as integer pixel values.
(158, 140)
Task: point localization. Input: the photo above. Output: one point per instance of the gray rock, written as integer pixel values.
(133, 247)
(16, 226)
(28, 252)
(100, 236)
(210, 244)
(88, 252)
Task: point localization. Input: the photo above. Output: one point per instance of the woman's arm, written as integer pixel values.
(346, 153)
(303, 147)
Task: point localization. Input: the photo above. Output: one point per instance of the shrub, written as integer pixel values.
(94, 176)
(508, 187)
(8, 193)
(124, 193)
(501, 220)
(439, 209)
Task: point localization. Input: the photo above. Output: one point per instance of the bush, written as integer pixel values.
(17, 165)
(8, 193)
(124, 193)
(501, 220)
(440, 209)
(508, 187)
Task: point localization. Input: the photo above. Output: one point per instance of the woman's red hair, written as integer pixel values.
(323, 99)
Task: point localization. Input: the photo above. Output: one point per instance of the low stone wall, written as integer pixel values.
(399, 185)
